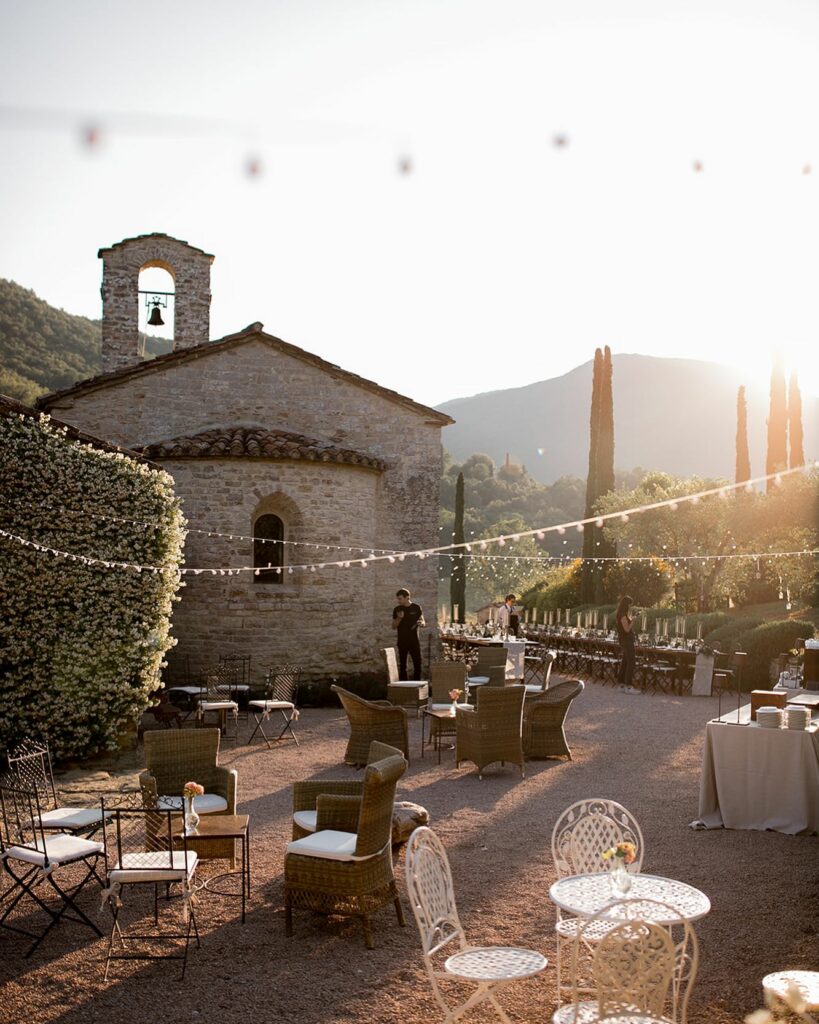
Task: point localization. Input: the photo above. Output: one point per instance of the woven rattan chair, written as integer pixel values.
(447, 955)
(487, 656)
(306, 794)
(345, 866)
(638, 968)
(580, 835)
(543, 719)
(372, 720)
(405, 693)
(443, 677)
(190, 755)
(492, 732)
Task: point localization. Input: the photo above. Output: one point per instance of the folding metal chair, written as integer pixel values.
(218, 681)
(24, 841)
(148, 847)
(282, 694)
(30, 766)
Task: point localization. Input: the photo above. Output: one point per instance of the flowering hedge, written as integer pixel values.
(81, 645)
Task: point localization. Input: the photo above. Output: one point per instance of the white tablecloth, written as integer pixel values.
(515, 651)
(754, 778)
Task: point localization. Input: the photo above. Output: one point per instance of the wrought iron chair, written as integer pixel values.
(30, 765)
(218, 681)
(281, 696)
(148, 847)
(580, 835)
(638, 969)
(372, 720)
(30, 856)
(544, 717)
(492, 731)
(237, 686)
(447, 955)
(345, 866)
(537, 668)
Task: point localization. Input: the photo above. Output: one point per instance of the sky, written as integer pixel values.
(498, 258)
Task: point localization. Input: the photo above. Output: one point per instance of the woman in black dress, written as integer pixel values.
(625, 635)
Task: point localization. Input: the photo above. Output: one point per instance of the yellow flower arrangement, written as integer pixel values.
(624, 851)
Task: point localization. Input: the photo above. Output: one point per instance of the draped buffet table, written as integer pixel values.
(755, 778)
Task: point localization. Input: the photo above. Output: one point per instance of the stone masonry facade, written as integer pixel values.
(331, 621)
(121, 266)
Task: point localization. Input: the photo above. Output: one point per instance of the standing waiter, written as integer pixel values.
(407, 618)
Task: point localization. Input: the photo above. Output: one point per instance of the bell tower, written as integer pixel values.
(121, 264)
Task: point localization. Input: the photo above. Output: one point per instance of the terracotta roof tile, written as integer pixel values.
(207, 348)
(248, 442)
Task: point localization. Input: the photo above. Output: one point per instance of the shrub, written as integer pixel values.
(765, 642)
(726, 636)
(81, 644)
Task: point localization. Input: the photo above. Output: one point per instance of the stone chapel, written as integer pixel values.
(280, 459)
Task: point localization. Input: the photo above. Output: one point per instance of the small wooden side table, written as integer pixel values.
(215, 829)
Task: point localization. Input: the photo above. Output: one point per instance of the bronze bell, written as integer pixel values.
(155, 319)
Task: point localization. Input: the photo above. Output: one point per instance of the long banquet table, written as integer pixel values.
(755, 778)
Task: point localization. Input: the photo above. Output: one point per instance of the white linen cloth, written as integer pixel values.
(755, 778)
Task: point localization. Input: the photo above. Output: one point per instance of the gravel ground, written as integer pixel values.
(643, 751)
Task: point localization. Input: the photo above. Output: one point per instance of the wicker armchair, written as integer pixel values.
(345, 867)
(306, 794)
(543, 719)
(186, 755)
(372, 720)
(492, 732)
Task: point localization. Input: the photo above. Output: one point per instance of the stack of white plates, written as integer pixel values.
(769, 718)
(798, 717)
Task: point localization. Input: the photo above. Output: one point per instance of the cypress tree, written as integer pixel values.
(743, 463)
(586, 580)
(777, 456)
(457, 578)
(604, 482)
(795, 436)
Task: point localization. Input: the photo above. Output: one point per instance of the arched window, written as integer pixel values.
(156, 309)
(268, 549)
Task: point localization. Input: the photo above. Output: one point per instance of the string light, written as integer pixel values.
(448, 549)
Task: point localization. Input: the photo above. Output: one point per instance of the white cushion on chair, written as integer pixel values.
(209, 803)
(409, 682)
(218, 705)
(61, 849)
(271, 705)
(477, 680)
(327, 844)
(145, 866)
(306, 820)
(71, 817)
(240, 687)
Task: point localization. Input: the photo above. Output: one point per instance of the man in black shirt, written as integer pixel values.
(407, 617)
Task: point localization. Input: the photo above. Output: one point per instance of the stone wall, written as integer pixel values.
(333, 621)
(122, 263)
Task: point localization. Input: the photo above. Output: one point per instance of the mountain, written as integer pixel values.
(677, 415)
(45, 349)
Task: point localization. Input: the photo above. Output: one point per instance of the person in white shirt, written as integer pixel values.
(505, 611)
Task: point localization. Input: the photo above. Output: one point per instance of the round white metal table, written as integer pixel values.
(585, 895)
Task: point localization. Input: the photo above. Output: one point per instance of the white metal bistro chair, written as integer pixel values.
(581, 834)
(491, 968)
(148, 847)
(30, 856)
(638, 969)
(281, 696)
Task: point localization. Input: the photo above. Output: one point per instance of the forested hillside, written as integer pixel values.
(44, 349)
